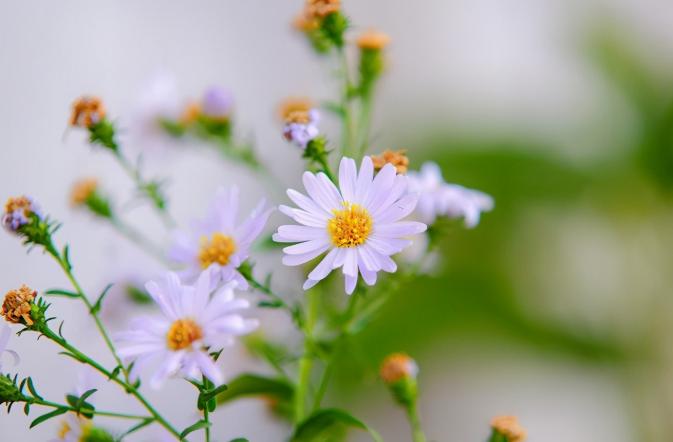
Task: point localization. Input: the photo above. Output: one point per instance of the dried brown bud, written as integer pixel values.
(87, 111)
(82, 190)
(509, 427)
(374, 40)
(305, 22)
(17, 305)
(397, 158)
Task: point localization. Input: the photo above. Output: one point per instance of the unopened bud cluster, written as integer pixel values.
(507, 429)
(399, 372)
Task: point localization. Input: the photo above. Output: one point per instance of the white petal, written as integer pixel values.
(295, 260)
(347, 177)
(169, 366)
(364, 180)
(350, 282)
(306, 218)
(368, 276)
(351, 262)
(306, 247)
(208, 368)
(318, 193)
(400, 229)
(398, 209)
(304, 202)
(381, 185)
(324, 268)
(292, 233)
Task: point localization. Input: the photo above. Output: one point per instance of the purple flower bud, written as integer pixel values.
(217, 102)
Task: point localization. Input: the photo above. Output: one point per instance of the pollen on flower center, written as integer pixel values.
(350, 226)
(218, 249)
(182, 334)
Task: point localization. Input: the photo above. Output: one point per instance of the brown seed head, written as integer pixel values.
(19, 203)
(294, 105)
(87, 111)
(17, 305)
(398, 366)
(397, 158)
(509, 427)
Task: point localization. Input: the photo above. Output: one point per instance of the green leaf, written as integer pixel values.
(66, 257)
(97, 306)
(324, 422)
(135, 428)
(255, 385)
(239, 439)
(61, 292)
(46, 417)
(275, 303)
(197, 426)
(32, 389)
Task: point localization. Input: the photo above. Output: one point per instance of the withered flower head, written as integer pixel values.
(398, 366)
(397, 158)
(509, 427)
(294, 106)
(87, 111)
(82, 190)
(16, 307)
(322, 8)
(374, 40)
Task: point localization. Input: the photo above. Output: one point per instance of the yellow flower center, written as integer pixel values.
(64, 430)
(350, 226)
(217, 249)
(182, 334)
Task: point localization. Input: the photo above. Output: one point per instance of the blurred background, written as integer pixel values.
(557, 308)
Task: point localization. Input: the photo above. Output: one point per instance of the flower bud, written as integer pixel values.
(322, 8)
(217, 103)
(301, 127)
(507, 429)
(87, 111)
(373, 40)
(19, 211)
(17, 306)
(399, 372)
(397, 158)
(9, 392)
(85, 193)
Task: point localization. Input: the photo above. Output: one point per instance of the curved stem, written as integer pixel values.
(364, 125)
(130, 389)
(96, 412)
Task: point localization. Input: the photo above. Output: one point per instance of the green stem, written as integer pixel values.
(344, 331)
(306, 361)
(206, 418)
(138, 239)
(146, 188)
(96, 412)
(415, 422)
(130, 389)
(364, 124)
(347, 147)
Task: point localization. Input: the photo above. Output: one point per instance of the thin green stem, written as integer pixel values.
(138, 239)
(306, 361)
(347, 147)
(130, 389)
(147, 188)
(96, 412)
(415, 422)
(344, 331)
(364, 125)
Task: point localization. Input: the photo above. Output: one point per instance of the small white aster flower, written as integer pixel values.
(193, 323)
(359, 224)
(438, 198)
(217, 242)
(5, 334)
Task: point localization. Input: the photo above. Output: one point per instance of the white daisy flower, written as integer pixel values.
(438, 198)
(5, 334)
(359, 224)
(193, 323)
(217, 242)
